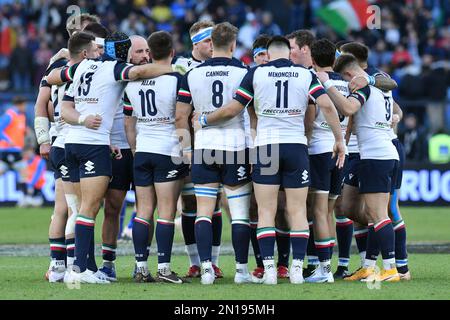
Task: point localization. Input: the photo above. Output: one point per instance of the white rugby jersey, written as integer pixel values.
(322, 138)
(372, 71)
(153, 102)
(60, 127)
(118, 135)
(281, 91)
(373, 123)
(352, 146)
(188, 63)
(97, 89)
(207, 87)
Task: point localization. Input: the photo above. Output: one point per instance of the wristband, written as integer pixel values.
(81, 120)
(41, 128)
(187, 150)
(327, 84)
(203, 121)
(370, 80)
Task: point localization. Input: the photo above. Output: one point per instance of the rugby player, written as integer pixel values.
(326, 178)
(97, 85)
(64, 200)
(301, 42)
(158, 167)
(220, 154)
(81, 45)
(382, 81)
(200, 33)
(122, 173)
(282, 229)
(378, 158)
(281, 91)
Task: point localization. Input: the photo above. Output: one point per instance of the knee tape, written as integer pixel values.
(239, 201)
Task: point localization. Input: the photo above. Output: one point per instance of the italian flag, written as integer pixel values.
(345, 15)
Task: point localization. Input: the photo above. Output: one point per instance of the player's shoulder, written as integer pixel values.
(372, 71)
(222, 61)
(55, 65)
(335, 76)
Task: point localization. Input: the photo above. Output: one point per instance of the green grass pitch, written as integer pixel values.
(23, 277)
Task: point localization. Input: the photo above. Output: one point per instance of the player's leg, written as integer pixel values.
(188, 216)
(238, 190)
(167, 194)
(145, 207)
(375, 180)
(206, 195)
(282, 237)
(401, 254)
(320, 173)
(217, 230)
(343, 228)
(168, 178)
(258, 272)
(266, 176)
(114, 201)
(311, 253)
(56, 235)
(267, 199)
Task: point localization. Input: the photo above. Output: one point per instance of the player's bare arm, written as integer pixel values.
(130, 130)
(225, 113)
(381, 82)
(310, 115)
(41, 121)
(147, 71)
(331, 116)
(182, 114)
(72, 116)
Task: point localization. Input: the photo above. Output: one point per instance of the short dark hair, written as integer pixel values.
(339, 44)
(84, 17)
(223, 34)
(279, 40)
(323, 52)
(302, 37)
(343, 61)
(359, 50)
(80, 41)
(97, 29)
(261, 41)
(160, 44)
(18, 100)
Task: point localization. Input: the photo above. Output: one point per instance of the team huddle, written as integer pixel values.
(306, 134)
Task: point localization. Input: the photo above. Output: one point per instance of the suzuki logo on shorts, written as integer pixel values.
(89, 166)
(241, 173)
(64, 170)
(305, 176)
(172, 174)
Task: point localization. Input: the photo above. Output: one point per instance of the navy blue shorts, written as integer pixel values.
(325, 176)
(398, 174)
(230, 168)
(122, 171)
(86, 161)
(376, 175)
(289, 168)
(351, 175)
(153, 167)
(58, 163)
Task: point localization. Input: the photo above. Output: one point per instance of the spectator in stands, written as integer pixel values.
(268, 26)
(413, 138)
(21, 66)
